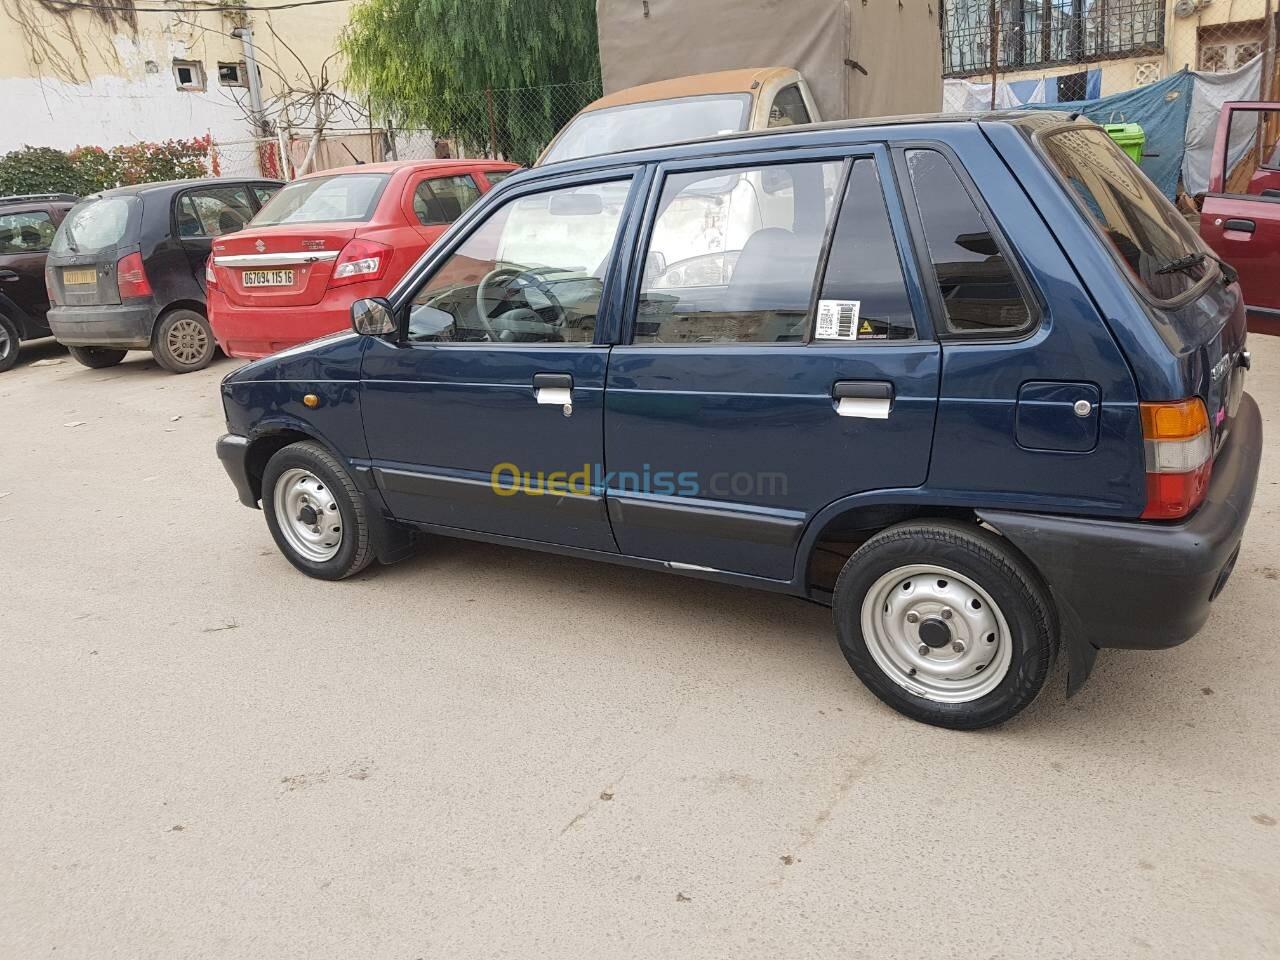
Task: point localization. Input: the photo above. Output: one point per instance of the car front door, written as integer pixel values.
(486, 413)
(780, 359)
(1240, 218)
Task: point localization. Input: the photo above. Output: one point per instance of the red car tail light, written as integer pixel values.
(131, 277)
(210, 275)
(48, 287)
(360, 260)
(1179, 453)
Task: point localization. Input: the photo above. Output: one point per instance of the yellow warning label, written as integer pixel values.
(865, 328)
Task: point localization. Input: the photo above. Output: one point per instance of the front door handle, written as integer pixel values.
(868, 399)
(553, 388)
(8, 276)
(1244, 226)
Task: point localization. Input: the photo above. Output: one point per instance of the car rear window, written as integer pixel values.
(94, 225)
(1145, 230)
(343, 198)
(646, 124)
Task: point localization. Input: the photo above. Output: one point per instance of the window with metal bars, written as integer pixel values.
(1034, 33)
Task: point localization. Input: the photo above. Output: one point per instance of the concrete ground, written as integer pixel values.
(484, 752)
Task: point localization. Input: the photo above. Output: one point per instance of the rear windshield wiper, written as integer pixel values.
(1178, 264)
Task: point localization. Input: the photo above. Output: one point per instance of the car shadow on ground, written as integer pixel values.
(749, 617)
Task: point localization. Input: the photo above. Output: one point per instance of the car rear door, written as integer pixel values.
(25, 236)
(206, 212)
(778, 358)
(1240, 217)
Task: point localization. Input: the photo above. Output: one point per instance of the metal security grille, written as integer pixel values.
(1034, 33)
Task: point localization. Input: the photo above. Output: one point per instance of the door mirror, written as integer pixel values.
(372, 317)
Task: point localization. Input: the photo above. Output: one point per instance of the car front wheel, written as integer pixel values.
(315, 512)
(946, 624)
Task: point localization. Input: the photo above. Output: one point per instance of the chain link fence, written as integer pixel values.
(514, 124)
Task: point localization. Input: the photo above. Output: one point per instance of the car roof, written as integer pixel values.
(174, 185)
(797, 136)
(697, 85)
(391, 166)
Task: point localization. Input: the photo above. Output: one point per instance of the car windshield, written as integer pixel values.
(646, 124)
(94, 225)
(1144, 229)
(345, 197)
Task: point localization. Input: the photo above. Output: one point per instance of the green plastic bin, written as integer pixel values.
(1130, 137)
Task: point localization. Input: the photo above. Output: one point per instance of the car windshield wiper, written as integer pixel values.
(1178, 264)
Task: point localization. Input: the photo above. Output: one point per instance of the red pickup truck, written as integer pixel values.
(1240, 216)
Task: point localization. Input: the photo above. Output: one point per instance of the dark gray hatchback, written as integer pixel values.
(126, 270)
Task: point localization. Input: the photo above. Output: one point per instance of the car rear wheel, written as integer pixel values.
(183, 342)
(97, 357)
(8, 344)
(315, 512)
(946, 624)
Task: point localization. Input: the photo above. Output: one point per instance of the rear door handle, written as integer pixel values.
(553, 388)
(1244, 226)
(8, 276)
(868, 399)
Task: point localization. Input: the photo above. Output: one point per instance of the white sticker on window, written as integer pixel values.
(837, 319)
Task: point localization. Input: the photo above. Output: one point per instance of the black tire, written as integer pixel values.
(9, 341)
(183, 341)
(97, 358)
(991, 564)
(355, 551)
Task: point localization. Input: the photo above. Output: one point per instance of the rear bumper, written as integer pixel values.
(125, 326)
(1145, 585)
(233, 451)
(255, 332)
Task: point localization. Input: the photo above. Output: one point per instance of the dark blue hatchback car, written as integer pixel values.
(972, 381)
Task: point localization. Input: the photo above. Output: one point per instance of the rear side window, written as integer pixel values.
(495, 177)
(443, 199)
(213, 211)
(94, 225)
(863, 292)
(344, 198)
(979, 290)
(788, 108)
(28, 232)
(1143, 228)
(733, 255)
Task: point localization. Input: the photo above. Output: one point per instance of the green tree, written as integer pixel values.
(508, 71)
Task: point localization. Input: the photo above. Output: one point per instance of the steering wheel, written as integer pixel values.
(506, 276)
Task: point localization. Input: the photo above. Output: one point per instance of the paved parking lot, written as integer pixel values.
(483, 752)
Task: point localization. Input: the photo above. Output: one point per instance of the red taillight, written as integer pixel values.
(131, 278)
(360, 260)
(1179, 453)
(210, 277)
(48, 287)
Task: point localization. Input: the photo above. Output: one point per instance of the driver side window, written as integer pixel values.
(532, 272)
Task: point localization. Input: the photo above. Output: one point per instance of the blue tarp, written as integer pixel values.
(1160, 108)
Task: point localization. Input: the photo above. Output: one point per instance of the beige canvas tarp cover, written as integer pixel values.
(646, 40)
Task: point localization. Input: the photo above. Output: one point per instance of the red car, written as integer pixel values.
(1240, 216)
(329, 239)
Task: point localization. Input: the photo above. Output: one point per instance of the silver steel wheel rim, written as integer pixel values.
(6, 342)
(307, 514)
(904, 616)
(187, 341)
